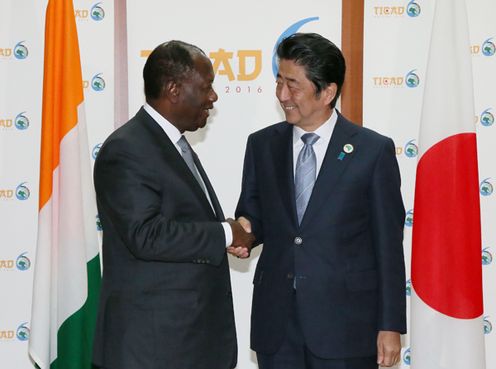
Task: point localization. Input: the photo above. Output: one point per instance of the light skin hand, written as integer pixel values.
(245, 223)
(388, 348)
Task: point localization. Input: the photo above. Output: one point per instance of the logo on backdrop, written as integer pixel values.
(99, 227)
(487, 48)
(97, 12)
(407, 358)
(22, 192)
(412, 9)
(411, 80)
(22, 262)
(487, 118)
(22, 332)
(409, 218)
(487, 257)
(98, 83)
(409, 287)
(488, 327)
(96, 150)
(20, 122)
(288, 32)
(486, 187)
(19, 51)
(411, 149)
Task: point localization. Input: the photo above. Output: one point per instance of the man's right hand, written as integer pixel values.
(242, 238)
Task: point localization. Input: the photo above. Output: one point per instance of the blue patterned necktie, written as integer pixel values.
(305, 174)
(187, 154)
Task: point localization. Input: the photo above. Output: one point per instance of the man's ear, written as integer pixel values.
(171, 91)
(330, 92)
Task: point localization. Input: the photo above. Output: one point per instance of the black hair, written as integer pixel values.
(323, 61)
(170, 61)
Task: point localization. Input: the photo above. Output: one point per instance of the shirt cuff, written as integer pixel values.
(228, 233)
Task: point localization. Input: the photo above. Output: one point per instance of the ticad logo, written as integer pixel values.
(99, 227)
(488, 327)
(97, 13)
(249, 64)
(487, 118)
(411, 149)
(411, 80)
(22, 192)
(412, 10)
(292, 29)
(409, 218)
(486, 187)
(20, 122)
(487, 257)
(96, 150)
(22, 262)
(407, 356)
(19, 51)
(98, 83)
(487, 48)
(408, 287)
(22, 332)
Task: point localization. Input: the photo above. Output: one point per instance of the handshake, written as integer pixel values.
(242, 237)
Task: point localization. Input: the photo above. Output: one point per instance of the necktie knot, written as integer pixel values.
(183, 144)
(310, 138)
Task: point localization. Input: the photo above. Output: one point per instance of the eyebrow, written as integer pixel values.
(287, 78)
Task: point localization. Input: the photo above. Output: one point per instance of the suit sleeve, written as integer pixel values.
(388, 216)
(249, 199)
(130, 199)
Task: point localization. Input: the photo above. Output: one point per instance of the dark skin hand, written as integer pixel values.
(242, 240)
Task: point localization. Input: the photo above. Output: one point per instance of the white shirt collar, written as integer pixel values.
(172, 132)
(324, 131)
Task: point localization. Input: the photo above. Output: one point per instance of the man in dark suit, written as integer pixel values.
(166, 298)
(323, 196)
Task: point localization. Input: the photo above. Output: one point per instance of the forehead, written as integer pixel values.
(288, 69)
(204, 67)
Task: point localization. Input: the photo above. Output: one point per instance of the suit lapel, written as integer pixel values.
(174, 158)
(282, 147)
(335, 163)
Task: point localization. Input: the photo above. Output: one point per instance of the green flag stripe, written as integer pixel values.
(75, 336)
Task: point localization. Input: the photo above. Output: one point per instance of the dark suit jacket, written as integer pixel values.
(166, 298)
(347, 254)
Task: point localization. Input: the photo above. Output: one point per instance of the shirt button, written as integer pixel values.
(298, 241)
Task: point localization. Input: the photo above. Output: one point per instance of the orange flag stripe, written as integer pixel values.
(62, 88)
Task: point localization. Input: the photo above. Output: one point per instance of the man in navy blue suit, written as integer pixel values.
(323, 196)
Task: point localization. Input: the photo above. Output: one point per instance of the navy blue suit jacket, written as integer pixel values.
(347, 254)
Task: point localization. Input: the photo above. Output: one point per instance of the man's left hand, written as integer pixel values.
(388, 348)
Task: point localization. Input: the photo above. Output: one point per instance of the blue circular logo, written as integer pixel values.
(487, 118)
(97, 12)
(407, 359)
(413, 9)
(21, 121)
(98, 223)
(288, 32)
(486, 188)
(411, 150)
(98, 83)
(487, 257)
(488, 327)
(20, 51)
(22, 192)
(22, 332)
(409, 218)
(22, 262)
(488, 47)
(409, 287)
(412, 79)
(96, 150)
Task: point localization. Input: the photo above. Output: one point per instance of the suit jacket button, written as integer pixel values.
(298, 241)
(290, 276)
